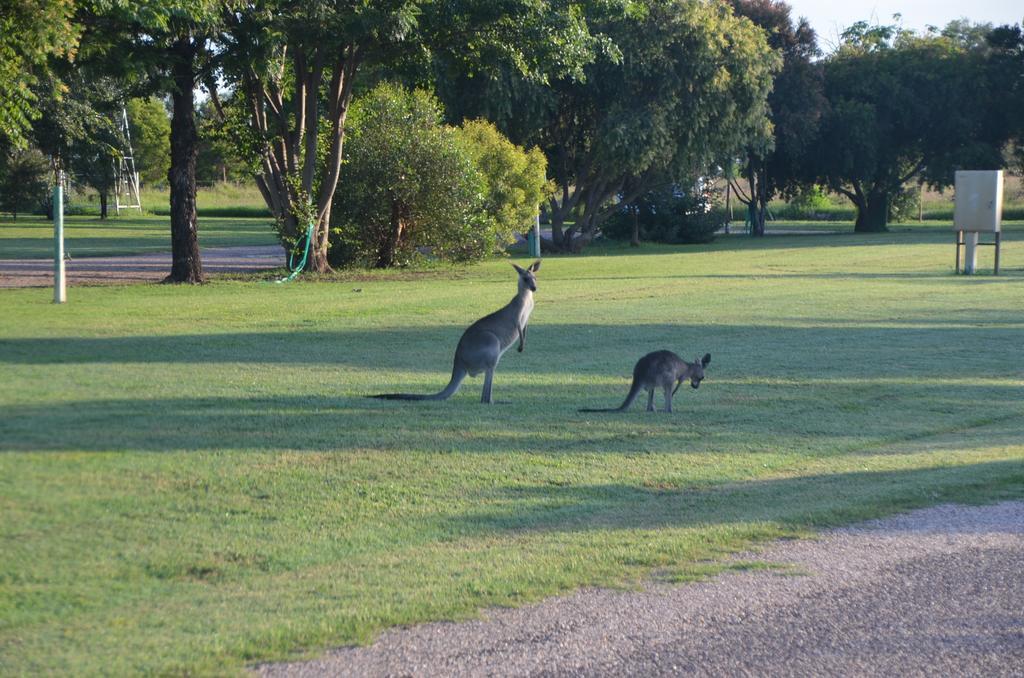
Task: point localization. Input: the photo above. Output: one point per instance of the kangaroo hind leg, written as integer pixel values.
(668, 398)
(488, 380)
(650, 400)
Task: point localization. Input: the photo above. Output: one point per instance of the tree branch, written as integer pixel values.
(340, 96)
(311, 120)
(917, 168)
(740, 194)
(211, 89)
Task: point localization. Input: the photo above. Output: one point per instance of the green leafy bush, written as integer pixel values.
(408, 185)
(809, 203)
(516, 179)
(905, 205)
(151, 139)
(24, 185)
(668, 216)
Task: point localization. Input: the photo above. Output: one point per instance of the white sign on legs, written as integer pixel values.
(978, 208)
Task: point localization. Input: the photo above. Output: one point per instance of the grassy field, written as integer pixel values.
(235, 215)
(31, 237)
(219, 200)
(224, 199)
(192, 481)
(934, 206)
(84, 236)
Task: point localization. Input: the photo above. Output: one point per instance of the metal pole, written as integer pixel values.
(534, 239)
(60, 294)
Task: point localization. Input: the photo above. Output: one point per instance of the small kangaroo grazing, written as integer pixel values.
(484, 342)
(662, 369)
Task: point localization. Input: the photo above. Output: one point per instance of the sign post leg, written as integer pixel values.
(970, 253)
(998, 233)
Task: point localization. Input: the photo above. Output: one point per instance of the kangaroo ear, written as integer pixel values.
(705, 360)
(519, 269)
(535, 266)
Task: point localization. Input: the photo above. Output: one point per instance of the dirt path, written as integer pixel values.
(136, 267)
(934, 592)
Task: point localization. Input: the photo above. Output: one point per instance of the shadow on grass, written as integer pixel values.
(984, 276)
(845, 239)
(822, 421)
(802, 502)
(823, 388)
(429, 349)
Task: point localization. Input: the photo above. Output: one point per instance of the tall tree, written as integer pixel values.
(220, 156)
(92, 160)
(797, 102)
(32, 32)
(684, 86)
(77, 130)
(24, 181)
(170, 42)
(151, 134)
(1006, 69)
(903, 107)
(689, 91)
(295, 65)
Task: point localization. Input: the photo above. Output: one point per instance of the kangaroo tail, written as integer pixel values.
(630, 397)
(458, 374)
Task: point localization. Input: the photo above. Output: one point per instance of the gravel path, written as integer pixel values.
(935, 592)
(136, 267)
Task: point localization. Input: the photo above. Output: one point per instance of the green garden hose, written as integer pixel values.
(296, 270)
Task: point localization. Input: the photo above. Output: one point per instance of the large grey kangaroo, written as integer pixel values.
(660, 369)
(483, 343)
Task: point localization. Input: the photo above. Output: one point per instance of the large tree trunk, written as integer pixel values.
(588, 204)
(634, 240)
(560, 207)
(756, 208)
(318, 247)
(186, 265)
(872, 213)
(103, 204)
(386, 253)
(296, 174)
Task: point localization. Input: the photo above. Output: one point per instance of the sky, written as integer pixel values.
(830, 17)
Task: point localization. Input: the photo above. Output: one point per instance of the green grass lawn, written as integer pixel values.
(938, 226)
(223, 199)
(191, 480)
(31, 237)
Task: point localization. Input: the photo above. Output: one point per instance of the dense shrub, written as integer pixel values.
(669, 216)
(815, 204)
(408, 184)
(905, 205)
(151, 139)
(809, 203)
(516, 180)
(24, 185)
